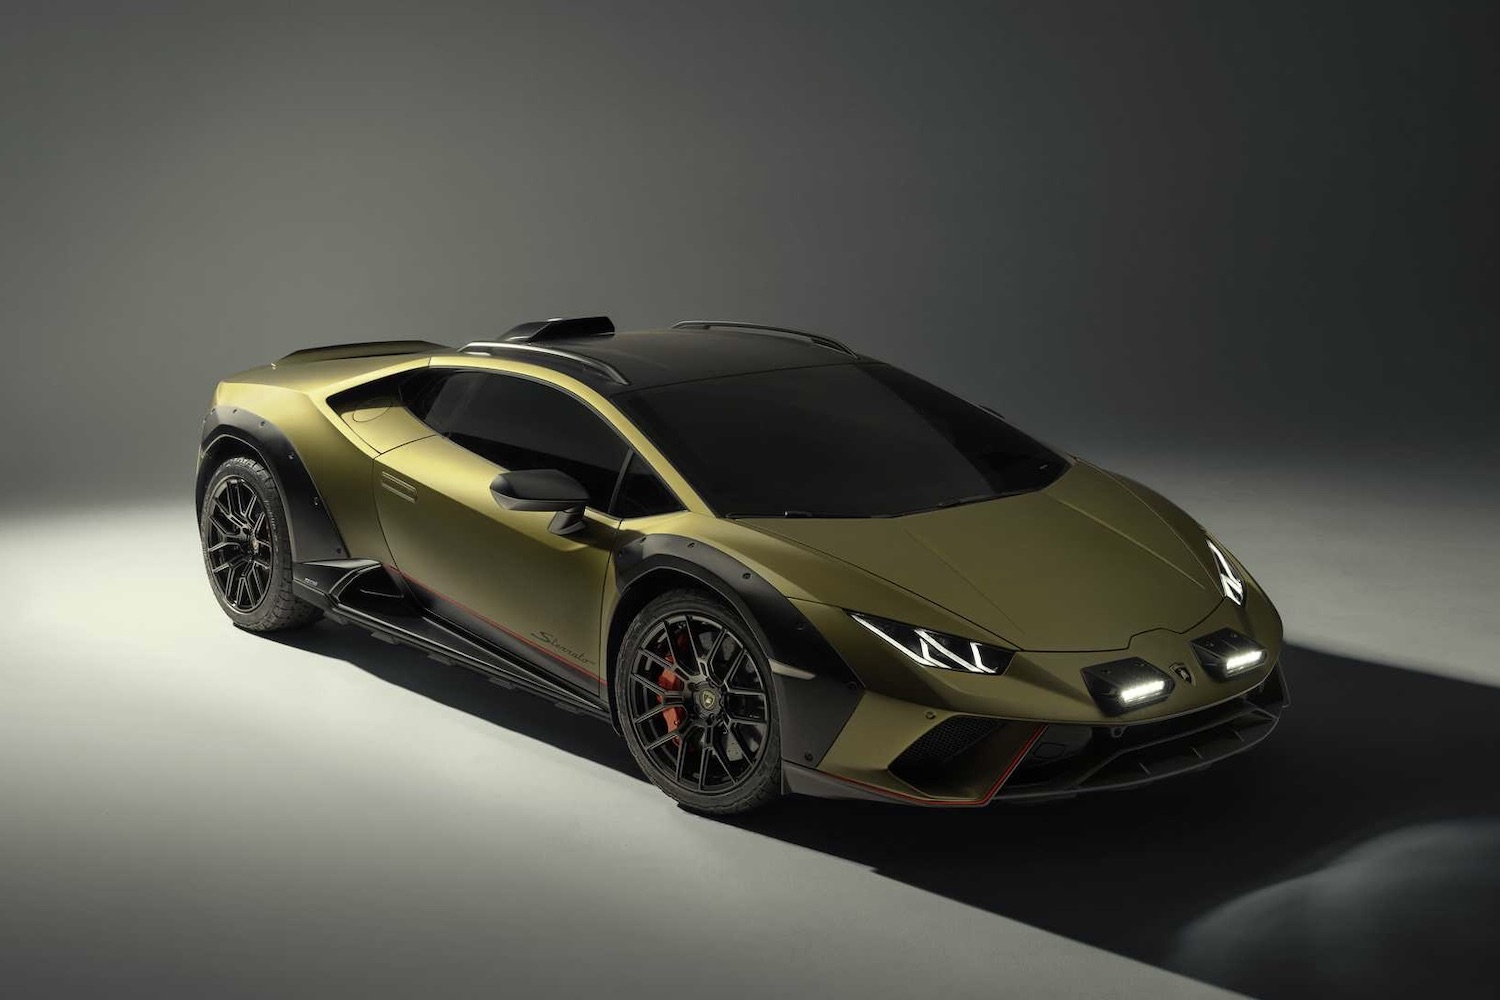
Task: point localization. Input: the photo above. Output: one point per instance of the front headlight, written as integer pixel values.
(1229, 577)
(938, 649)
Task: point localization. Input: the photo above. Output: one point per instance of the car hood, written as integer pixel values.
(1085, 564)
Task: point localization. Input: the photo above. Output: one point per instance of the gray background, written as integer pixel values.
(1245, 252)
(1170, 226)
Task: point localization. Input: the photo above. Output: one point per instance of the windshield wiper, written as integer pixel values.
(975, 498)
(961, 501)
(865, 515)
(819, 513)
(799, 514)
(955, 502)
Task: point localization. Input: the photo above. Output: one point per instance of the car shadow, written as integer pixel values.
(466, 691)
(1364, 749)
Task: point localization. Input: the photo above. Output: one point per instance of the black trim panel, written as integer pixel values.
(814, 710)
(496, 636)
(799, 779)
(381, 603)
(322, 581)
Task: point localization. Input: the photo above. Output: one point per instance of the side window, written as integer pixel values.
(420, 392)
(642, 493)
(520, 424)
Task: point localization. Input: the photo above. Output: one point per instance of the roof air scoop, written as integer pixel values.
(560, 329)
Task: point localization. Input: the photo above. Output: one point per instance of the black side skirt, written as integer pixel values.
(360, 592)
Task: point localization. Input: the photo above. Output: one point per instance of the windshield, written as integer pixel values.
(854, 440)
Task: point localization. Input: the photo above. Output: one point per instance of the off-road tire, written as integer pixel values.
(276, 607)
(739, 692)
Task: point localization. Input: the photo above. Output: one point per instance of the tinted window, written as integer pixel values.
(855, 440)
(642, 493)
(420, 390)
(520, 424)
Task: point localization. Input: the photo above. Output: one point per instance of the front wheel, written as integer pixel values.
(696, 704)
(247, 549)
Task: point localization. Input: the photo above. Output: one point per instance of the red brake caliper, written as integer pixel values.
(669, 681)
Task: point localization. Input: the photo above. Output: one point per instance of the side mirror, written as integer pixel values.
(543, 489)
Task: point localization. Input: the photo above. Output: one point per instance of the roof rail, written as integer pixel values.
(817, 338)
(489, 347)
(559, 327)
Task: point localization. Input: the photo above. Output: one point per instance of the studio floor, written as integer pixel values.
(190, 810)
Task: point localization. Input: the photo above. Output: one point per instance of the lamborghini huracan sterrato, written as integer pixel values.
(771, 563)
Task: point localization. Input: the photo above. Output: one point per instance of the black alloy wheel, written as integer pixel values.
(247, 549)
(695, 698)
(238, 546)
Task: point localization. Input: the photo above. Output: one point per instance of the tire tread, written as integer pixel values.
(281, 610)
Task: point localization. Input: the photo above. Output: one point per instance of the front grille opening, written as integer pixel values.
(942, 744)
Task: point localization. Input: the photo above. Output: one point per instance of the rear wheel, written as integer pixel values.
(247, 549)
(695, 700)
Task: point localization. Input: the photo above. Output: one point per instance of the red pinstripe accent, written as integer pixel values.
(490, 621)
(981, 800)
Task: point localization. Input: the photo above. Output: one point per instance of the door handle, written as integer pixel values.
(406, 491)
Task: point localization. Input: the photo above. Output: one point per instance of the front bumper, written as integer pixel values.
(1067, 760)
(967, 760)
(946, 737)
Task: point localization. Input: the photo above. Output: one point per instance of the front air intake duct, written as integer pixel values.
(943, 742)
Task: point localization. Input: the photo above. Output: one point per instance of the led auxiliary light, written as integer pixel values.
(938, 649)
(1144, 691)
(1243, 661)
(1125, 685)
(1226, 653)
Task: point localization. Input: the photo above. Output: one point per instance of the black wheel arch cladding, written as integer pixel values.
(813, 711)
(313, 533)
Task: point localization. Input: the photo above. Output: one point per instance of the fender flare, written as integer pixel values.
(817, 694)
(313, 533)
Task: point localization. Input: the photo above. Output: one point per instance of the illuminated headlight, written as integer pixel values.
(1124, 685)
(938, 649)
(1226, 653)
(1229, 578)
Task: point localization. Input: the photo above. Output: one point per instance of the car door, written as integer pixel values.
(501, 573)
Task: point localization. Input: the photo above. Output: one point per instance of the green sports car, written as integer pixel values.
(771, 563)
